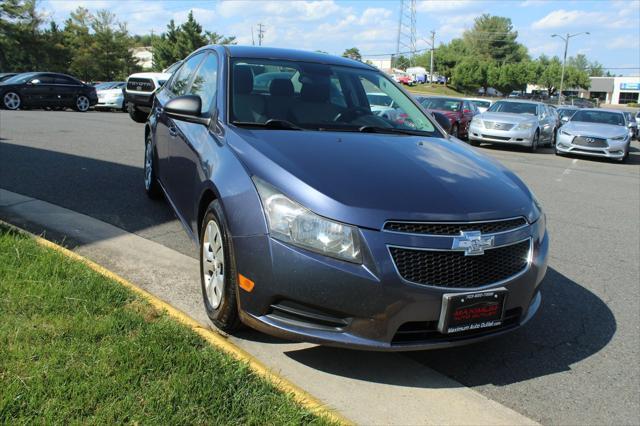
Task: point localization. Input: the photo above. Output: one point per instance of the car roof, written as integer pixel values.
(292, 55)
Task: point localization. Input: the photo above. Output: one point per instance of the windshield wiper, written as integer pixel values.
(272, 123)
(377, 129)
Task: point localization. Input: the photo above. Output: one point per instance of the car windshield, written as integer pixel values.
(482, 104)
(442, 104)
(514, 107)
(20, 78)
(316, 96)
(603, 117)
(566, 112)
(106, 85)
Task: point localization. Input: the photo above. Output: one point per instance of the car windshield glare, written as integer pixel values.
(514, 107)
(602, 117)
(20, 78)
(316, 96)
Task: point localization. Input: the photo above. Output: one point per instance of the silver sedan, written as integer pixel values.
(597, 133)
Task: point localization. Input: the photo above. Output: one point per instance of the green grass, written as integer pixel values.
(435, 89)
(76, 347)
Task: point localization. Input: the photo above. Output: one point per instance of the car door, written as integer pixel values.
(38, 90)
(166, 129)
(186, 151)
(66, 90)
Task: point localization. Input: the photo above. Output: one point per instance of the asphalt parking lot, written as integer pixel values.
(577, 362)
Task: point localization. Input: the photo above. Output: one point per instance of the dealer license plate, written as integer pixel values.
(472, 311)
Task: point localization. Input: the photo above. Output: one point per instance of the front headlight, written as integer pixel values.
(563, 132)
(524, 126)
(536, 209)
(620, 138)
(294, 224)
(477, 122)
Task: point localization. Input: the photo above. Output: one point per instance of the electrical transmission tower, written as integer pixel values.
(261, 32)
(406, 41)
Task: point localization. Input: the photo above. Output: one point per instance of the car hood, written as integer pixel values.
(110, 92)
(366, 179)
(597, 130)
(507, 117)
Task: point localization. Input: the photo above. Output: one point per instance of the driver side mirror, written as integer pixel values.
(186, 108)
(443, 121)
(565, 119)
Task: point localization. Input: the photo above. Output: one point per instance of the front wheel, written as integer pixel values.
(11, 101)
(535, 142)
(82, 103)
(151, 185)
(218, 271)
(137, 115)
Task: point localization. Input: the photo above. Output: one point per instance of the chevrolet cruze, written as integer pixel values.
(319, 220)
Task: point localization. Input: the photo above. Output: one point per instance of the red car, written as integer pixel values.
(460, 112)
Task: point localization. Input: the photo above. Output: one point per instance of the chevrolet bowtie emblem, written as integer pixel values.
(472, 242)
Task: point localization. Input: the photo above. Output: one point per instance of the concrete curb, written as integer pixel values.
(215, 339)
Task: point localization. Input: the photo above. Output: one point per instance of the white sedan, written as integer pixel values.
(110, 95)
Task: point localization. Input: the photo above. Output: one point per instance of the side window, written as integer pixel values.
(45, 79)
(205, 82)
(180, 81)
(60, 79)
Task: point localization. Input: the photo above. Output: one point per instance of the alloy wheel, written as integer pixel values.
(213, 264)
(82, 103)
(11, 100)
(148, 165)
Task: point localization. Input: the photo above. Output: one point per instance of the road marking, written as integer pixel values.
(567, 171)
(215, 339)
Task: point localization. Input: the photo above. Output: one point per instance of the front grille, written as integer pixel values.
(590, 142)
(454, 269)
(498, 126)
(452, 229)
(140, 84)
(498, 138)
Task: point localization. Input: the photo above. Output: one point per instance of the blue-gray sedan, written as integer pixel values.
(319, 220)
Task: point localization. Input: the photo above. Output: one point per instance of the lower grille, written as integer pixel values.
(140, 84)
(296, 314)
(427, 331)
(590, 142)
(451, 229)
(498, 138)
(454, 269)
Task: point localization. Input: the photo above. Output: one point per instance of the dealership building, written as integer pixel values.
(613, 90)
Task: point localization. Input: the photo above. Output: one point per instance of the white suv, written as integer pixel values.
(140, 91)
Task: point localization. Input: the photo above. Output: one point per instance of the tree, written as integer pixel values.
(111, 48)
(551, 74)
(471, 73)
(352, 53)
(178, 42)
(494, 39)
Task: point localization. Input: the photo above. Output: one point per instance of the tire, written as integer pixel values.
(82, 103)
(11, 101)
(474, 143)
(218, 276)
(151, 184)
(137, 115)
(455, 131)
(554, 137)
(535, 142)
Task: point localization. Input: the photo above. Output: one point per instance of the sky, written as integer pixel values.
(372, 26)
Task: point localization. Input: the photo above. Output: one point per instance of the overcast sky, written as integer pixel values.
(333, 25)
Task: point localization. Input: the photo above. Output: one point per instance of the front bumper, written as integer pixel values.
(139, 99)
(479, 133)
(614, 150)
(116, 103)
(366, 306)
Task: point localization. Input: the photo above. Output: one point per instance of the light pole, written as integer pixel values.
(564, 61)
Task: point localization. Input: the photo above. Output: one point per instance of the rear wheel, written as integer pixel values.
(137, 115)
(82, 103)
(12, 101)
(218, 271)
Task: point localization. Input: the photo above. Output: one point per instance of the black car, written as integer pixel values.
(45, 89)
(6, 75)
